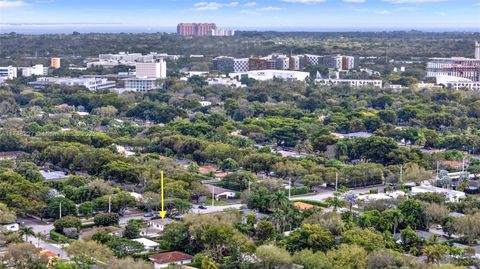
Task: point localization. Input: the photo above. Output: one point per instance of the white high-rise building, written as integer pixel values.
(36, 70)
(152, 70)
(477, 50)
(8, 72)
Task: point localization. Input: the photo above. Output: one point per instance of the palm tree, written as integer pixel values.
(394, 216)
(279, 200)
(40, 236)
(335, 202)
(26, 231)
(435, 252)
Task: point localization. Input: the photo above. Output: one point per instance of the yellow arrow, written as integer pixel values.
(163, 212)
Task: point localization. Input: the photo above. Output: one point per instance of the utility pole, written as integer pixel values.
(109, 204)
(336, 181)
(60, 210)
(438, 167)
(401, 172)
(213, 196)
(249, 188)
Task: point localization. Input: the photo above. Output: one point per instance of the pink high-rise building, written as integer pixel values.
(196, 29)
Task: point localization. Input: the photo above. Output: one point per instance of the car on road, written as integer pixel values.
(202, 207)
(148, 215)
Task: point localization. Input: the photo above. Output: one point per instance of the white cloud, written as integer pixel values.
(354, 1)
(200, 6)
(11, 4)
(269, 9)
(249, 12)
(382, 12)
(250, 4)
(412, 1)
(308, 2)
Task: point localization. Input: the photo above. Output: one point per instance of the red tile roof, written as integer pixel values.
(207, 169)
(170, 257)
(452, 163)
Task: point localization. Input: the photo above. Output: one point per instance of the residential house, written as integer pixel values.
(163, 260)
(148, 244)
(159, 224)
(220, 193)
(450, 195)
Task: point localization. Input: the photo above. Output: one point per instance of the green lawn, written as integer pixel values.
(208, 202)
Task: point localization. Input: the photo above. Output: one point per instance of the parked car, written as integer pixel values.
(202, 207)
(148, 215)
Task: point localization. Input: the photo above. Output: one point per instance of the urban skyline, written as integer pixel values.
(267, 14)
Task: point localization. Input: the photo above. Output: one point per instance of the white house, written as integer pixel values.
(450, 195)
(159, 224)
(148, 244)
(163, 260)
(219, 192)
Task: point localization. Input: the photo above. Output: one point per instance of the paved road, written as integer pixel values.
(324, 193)
(213, 209)
(44, 228)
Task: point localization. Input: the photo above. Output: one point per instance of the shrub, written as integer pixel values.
(58, 237)
(71, 232)
(106, 219)
(67, 222)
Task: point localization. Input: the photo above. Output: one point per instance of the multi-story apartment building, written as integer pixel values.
(36, 70)
(154, 70)
(55, 63)
(224, 64)
(8, 72)
(283, 63)
(222, 32)
(196, 29)
(339, 62)
(295, 62)
(141, 84)
(354, 83)
(257, 64)
(454, 67)
(92, 84)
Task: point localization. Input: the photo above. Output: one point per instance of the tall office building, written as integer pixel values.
(454, 67)
(152, 70)
(8, 72)
(196, 29)
(36, 70)
(55, 63)
(477, 50)
(223, 32)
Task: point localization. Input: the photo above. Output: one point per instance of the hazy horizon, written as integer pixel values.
(248, 14)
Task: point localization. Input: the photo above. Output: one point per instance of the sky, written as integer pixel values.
(250, 14)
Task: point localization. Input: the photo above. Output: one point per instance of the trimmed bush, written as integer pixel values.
(106, 219)
(67, 222)
(58, 237)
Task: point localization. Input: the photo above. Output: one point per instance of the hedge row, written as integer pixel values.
(58, 237)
